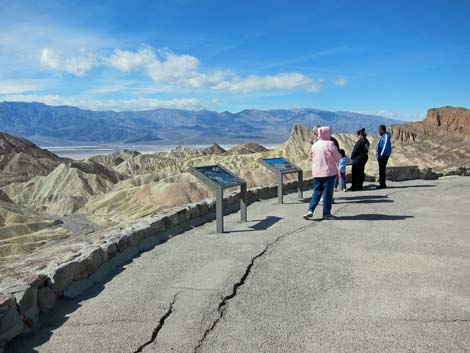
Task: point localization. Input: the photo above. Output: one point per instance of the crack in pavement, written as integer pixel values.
(157, 329)
(222, 307)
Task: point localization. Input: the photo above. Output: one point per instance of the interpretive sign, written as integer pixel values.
(218, 178)
(281, 166)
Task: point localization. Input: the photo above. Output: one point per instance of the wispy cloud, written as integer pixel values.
(341, 81)
(21, 86)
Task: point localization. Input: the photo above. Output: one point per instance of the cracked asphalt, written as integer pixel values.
(392, 274)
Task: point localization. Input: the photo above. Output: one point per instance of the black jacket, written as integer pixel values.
(360, 151)
(335, 141)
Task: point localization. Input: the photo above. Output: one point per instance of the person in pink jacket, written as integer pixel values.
(325, 156)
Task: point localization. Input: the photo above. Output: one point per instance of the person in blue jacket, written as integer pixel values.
(384, 150)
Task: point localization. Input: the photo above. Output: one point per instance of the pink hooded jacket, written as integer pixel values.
(324, 155)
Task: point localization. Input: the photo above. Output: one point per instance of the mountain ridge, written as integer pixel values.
(48, 125)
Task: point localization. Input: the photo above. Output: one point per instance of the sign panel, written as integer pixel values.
(281, 165)
(219, 175)
(219, 178)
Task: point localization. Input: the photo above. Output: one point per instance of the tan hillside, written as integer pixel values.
(115, 158)
(247, 148)
(66, 189)
(21, 159)
(180, 151)
(22, 232)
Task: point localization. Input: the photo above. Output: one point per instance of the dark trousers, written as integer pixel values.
(382, 170)
(358, 175)
(320, 186)
(343, 181)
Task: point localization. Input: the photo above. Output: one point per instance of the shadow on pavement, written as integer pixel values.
(385, 200)
(373, 217)
(362, 197)
(411, 186)
(304, 200)
(261, 225)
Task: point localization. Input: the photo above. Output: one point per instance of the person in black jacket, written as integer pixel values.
(359, 157)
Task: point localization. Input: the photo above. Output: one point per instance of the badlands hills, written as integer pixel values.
(41, 195)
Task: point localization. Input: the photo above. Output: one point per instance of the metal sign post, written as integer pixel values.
(281, 166)
(218, 178)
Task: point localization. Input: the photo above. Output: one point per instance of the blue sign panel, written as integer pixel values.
(219, 175)
(282, 165)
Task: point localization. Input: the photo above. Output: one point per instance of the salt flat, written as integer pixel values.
(392, 274)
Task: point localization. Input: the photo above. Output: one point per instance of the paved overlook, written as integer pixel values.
(392, 274)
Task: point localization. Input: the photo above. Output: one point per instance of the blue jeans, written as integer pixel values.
(343, 181)
(320, 186)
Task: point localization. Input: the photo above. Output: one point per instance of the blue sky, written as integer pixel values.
(395, 58)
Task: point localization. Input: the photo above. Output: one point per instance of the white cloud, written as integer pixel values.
(75, 65)
(166, 67)
(109, 104)
(21, 86)
(49, 59)
(282, 81)
(79, 66)
(127, 61)
(341, 81)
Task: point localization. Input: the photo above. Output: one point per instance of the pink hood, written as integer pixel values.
(324, 155)
(324, 133)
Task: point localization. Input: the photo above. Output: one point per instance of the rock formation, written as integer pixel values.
(180, 151)
(115, 158)
(21, 159)
(247, 148)
(446, 121)
(66, 189)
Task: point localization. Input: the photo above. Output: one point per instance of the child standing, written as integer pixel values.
(342, 170)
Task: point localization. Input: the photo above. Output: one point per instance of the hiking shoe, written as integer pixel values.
(329, 217)
(308, 215)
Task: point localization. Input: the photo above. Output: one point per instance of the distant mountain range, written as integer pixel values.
(65, 125)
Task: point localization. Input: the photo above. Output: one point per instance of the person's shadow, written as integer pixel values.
(373, 217)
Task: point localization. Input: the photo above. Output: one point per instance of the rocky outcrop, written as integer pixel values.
(21, 159)
(115, 158)
(410, 173)
(247, 148)
(445, 121)
(182, 152)
(66, 189)
(460, 171)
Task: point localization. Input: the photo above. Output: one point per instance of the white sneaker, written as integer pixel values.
(308, 215)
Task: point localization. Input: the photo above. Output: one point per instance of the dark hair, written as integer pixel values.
(342, 153)
(383, 128)
(362, 132)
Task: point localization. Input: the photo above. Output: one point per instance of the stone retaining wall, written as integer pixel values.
(23, 299)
